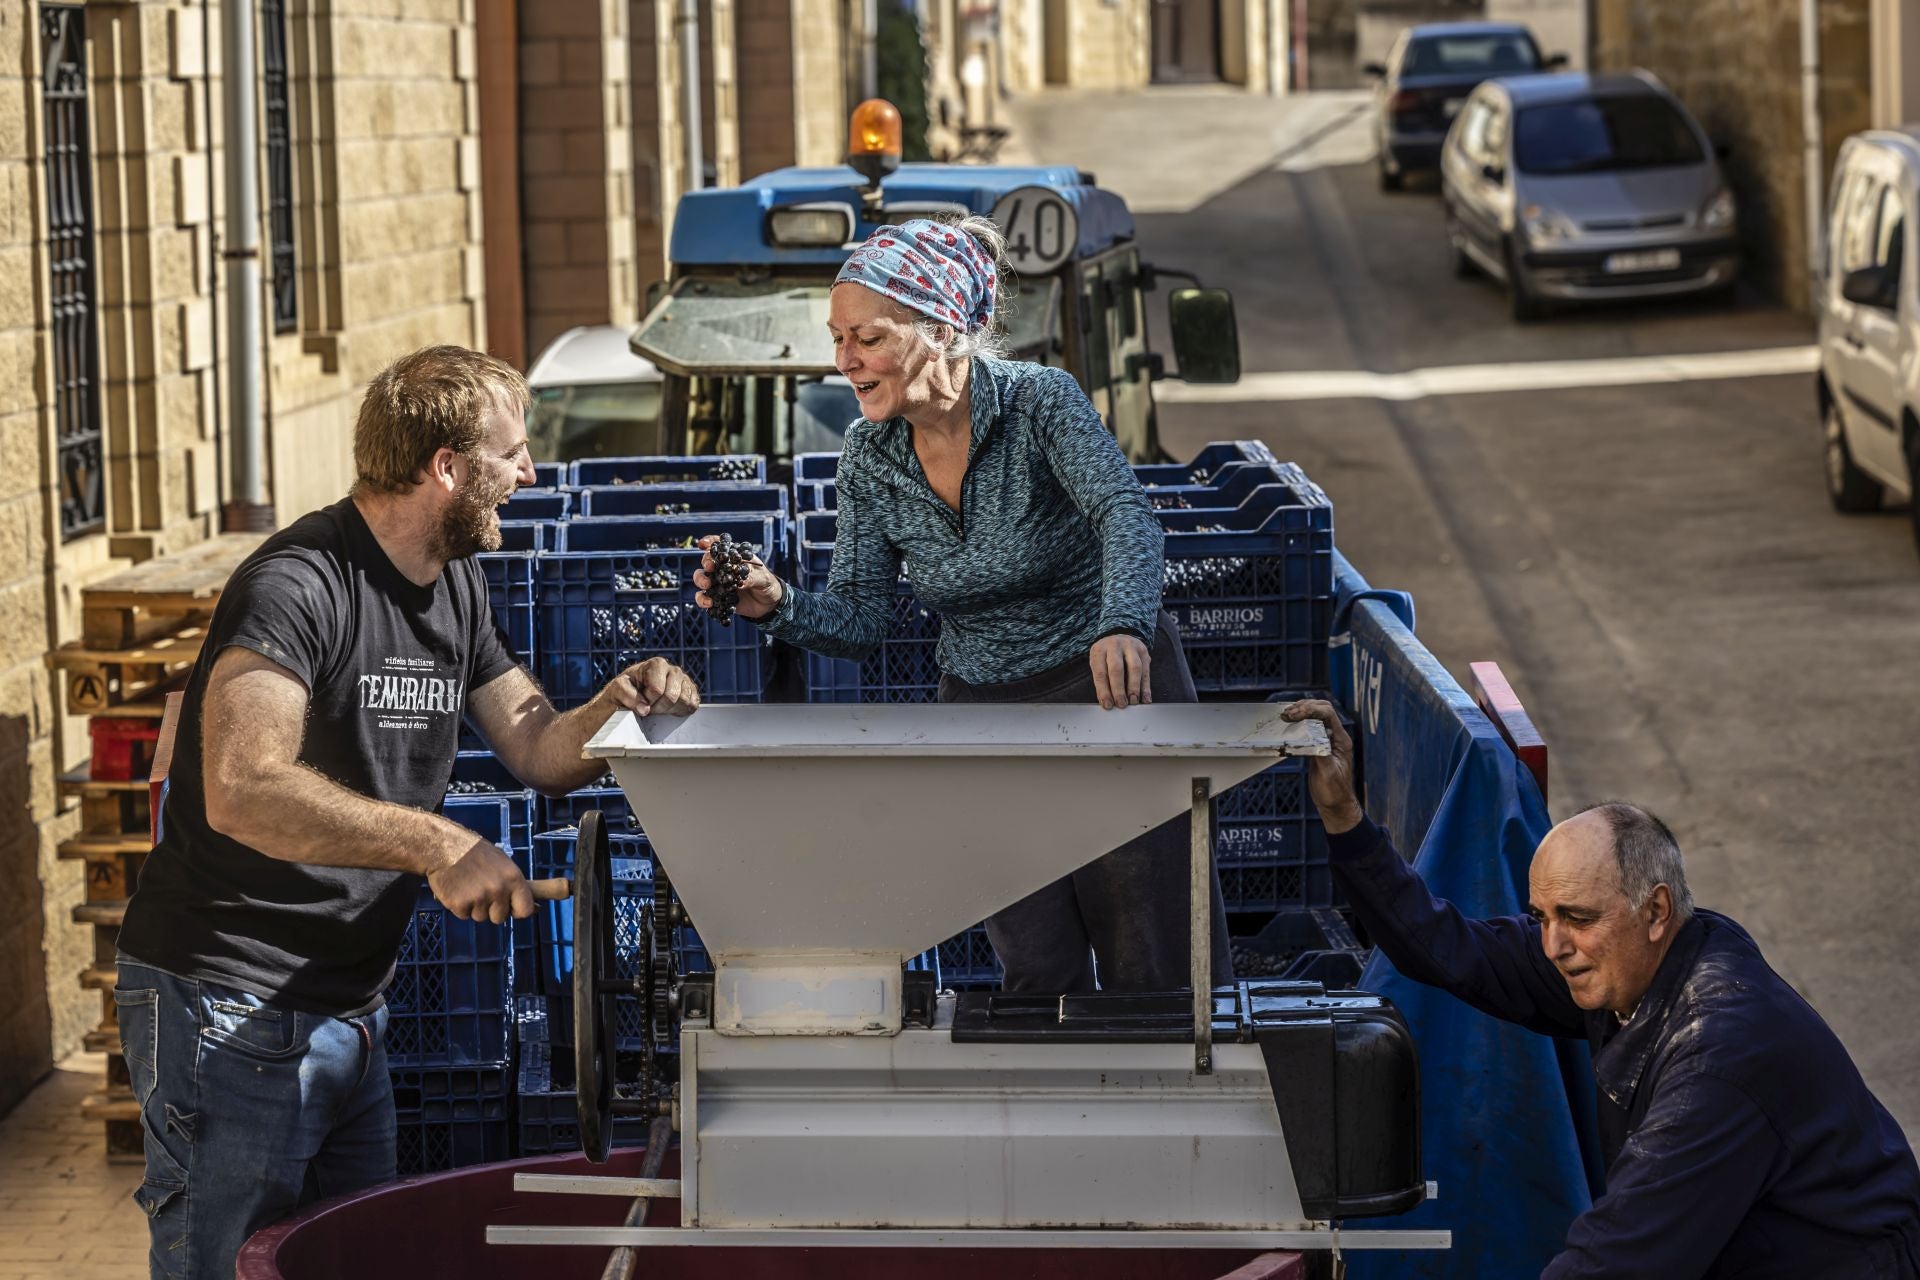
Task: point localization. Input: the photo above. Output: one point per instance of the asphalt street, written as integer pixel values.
(1654, 564)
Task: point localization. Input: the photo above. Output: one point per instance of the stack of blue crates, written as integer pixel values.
(450, 1011)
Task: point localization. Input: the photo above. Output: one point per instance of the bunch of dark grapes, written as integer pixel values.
(1172, 502)
(461, 788)
(646, 580)
(732, 561)
(746, 467)
(1248, 963)
(672, 508)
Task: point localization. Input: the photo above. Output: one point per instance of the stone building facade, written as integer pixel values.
(1127, 44)
(115, 362)
(1737, 67)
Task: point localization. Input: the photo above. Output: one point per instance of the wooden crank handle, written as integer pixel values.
(551, 890)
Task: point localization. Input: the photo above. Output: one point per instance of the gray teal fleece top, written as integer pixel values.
(1054, 546)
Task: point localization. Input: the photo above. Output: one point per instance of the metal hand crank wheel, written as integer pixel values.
(594, 995)
(598, 986)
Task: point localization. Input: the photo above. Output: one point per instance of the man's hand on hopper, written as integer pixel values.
(760, 594)
(1120, 671)
(1330, 777)
(655, 687)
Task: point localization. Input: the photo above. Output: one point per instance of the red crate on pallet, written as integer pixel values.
(122, 748)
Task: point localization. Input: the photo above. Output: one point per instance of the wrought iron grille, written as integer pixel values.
(273, 46)
(76, 353)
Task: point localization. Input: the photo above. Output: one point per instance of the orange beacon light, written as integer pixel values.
(873, 139)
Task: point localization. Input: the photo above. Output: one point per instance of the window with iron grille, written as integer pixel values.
(273, 50)
(76, 354)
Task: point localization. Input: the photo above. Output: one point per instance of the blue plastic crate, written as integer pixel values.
(510, 587)
(818, 495)
(547, 1120)
(566, 811)
(1206, 465)
(550, 474)
(666, 533)
(811, 467)
(967, 961)
(451, 1118)
(904, 668)
(1302, 944)
(601, 611)
(1269, 820)
(680, 499)
(527, 535)
(1241, 485)
(450, 1001)
(669, 469)
(479, 776)
(538, 504)
(814, 535)
(1245, 889)
(1254, 605)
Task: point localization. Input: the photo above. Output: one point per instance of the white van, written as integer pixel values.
(1869, 378)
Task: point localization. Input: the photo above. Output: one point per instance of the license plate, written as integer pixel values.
(1651, 260)
(1452, 107)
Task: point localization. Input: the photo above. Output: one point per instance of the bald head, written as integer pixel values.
(1609, 892)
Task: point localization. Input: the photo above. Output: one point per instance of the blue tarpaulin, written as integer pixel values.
(1507, 1126)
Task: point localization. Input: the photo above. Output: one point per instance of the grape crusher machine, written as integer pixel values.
(827, 1095)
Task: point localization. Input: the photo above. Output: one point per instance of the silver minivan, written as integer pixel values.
(1581, 187)
(1868, 384)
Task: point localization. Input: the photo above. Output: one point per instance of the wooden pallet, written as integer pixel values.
(102, 680)
(121, 1114)
(162, 595)
(110, 913)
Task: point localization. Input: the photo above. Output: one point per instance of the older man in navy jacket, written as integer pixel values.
(1739, 1137)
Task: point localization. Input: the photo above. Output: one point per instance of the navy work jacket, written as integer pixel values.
(1739, 1137)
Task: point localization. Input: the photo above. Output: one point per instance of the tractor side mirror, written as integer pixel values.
(1206, 337)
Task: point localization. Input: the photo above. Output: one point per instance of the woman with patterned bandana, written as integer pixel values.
(1016, 516)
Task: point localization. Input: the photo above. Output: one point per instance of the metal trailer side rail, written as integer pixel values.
(964, 1238)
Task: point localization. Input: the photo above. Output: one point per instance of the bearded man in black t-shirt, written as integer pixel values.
(316, 741)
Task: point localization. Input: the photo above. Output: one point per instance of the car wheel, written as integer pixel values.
(1463, 266)
(1389, 180)
(1851, 489)
(1526, 305)
(1913, 485)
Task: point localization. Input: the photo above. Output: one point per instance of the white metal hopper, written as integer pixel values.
(817, 847)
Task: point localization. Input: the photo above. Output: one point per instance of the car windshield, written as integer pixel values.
(1601, 134)
(1500, 54)
(594, 420)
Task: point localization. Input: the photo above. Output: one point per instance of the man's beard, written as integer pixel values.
(470, 524)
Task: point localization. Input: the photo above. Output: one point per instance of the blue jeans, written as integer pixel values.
(249, 1112)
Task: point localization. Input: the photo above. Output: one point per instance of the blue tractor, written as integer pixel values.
(739, 328)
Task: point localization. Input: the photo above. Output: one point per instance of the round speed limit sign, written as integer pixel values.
(1041, 229)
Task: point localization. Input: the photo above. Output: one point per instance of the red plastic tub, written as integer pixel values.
(435, 1225)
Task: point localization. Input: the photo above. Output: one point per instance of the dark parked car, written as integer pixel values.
(1428, 76)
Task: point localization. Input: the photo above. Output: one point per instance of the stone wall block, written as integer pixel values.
(196, 334)
(13, 120)
(191, 200)
(186, 44)
(17, 307)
